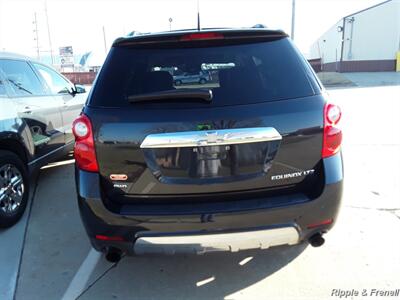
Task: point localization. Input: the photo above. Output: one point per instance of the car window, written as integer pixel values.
(56, 83)
(236, 74)
(21, 77)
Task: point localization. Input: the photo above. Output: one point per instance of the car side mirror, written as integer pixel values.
(79, 89)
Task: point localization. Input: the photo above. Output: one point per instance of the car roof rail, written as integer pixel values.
(259, 26)
(136, 33)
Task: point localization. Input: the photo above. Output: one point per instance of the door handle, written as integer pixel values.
(211, 137)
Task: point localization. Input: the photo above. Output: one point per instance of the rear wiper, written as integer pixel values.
(200, 94)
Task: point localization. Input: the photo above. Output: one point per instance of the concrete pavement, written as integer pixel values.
(359, 79)
(55, 242)
(11, 247)
(367, 79)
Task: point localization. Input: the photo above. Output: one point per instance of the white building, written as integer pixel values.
(368, 40)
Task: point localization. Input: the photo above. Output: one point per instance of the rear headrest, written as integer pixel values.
(224, 76)
(239, 77)
(149, 82)
(157, 81)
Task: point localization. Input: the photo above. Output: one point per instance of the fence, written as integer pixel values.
(81, 77)
(88, 77)
(315, 64)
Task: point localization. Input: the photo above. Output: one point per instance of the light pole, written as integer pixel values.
(48, 32)
(104, 40)
(293, 18)
(170, 23)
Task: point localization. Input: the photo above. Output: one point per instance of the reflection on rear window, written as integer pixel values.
(236, 74)
(205, 77)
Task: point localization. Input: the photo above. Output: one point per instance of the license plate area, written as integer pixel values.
(211, 164)
(207, 157)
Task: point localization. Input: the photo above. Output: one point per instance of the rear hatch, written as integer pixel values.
(255, 124)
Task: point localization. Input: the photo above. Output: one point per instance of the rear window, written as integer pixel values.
(236, 74)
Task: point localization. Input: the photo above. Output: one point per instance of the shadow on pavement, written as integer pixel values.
(56, 245)
(212, 276)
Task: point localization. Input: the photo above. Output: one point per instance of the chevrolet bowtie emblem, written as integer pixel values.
(211, 137)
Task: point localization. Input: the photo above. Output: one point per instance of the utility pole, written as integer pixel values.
(48, 32)
(36, 37)
(351, 22)
(105, 41)
(293, 18)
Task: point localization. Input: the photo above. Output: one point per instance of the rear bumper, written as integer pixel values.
(201, 243)
(145, 226)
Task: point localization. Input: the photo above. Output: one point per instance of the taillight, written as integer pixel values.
(332, 133)
(202, 36)
(84, 152)
(109, 238)
(319, 224)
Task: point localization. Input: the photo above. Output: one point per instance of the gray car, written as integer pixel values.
(37, 108)
(192, 78)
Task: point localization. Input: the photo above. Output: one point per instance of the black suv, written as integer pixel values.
(249, 160)
(37, 108)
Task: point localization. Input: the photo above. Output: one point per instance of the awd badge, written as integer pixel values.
(119, 177)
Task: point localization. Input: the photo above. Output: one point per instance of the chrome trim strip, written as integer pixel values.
(260, 239)
(211, 137)
(49, 153)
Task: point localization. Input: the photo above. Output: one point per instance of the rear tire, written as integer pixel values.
(202, 81)
(178, 82)
(14, 188)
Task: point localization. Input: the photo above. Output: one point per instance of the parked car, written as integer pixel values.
(252, 162)
(200, 77)
(37, 108)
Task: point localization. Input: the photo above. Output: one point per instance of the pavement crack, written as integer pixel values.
(396, 215)
(393, 211)
(374, 208)
(32, 198)
(99, 278)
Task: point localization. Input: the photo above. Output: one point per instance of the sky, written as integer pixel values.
(80, 23)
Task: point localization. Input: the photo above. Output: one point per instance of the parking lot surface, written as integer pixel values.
(54, 260)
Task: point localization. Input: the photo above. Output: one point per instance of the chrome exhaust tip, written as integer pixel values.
(113, 255)
(316, 240)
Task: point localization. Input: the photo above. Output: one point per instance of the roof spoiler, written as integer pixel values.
(259, 33)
